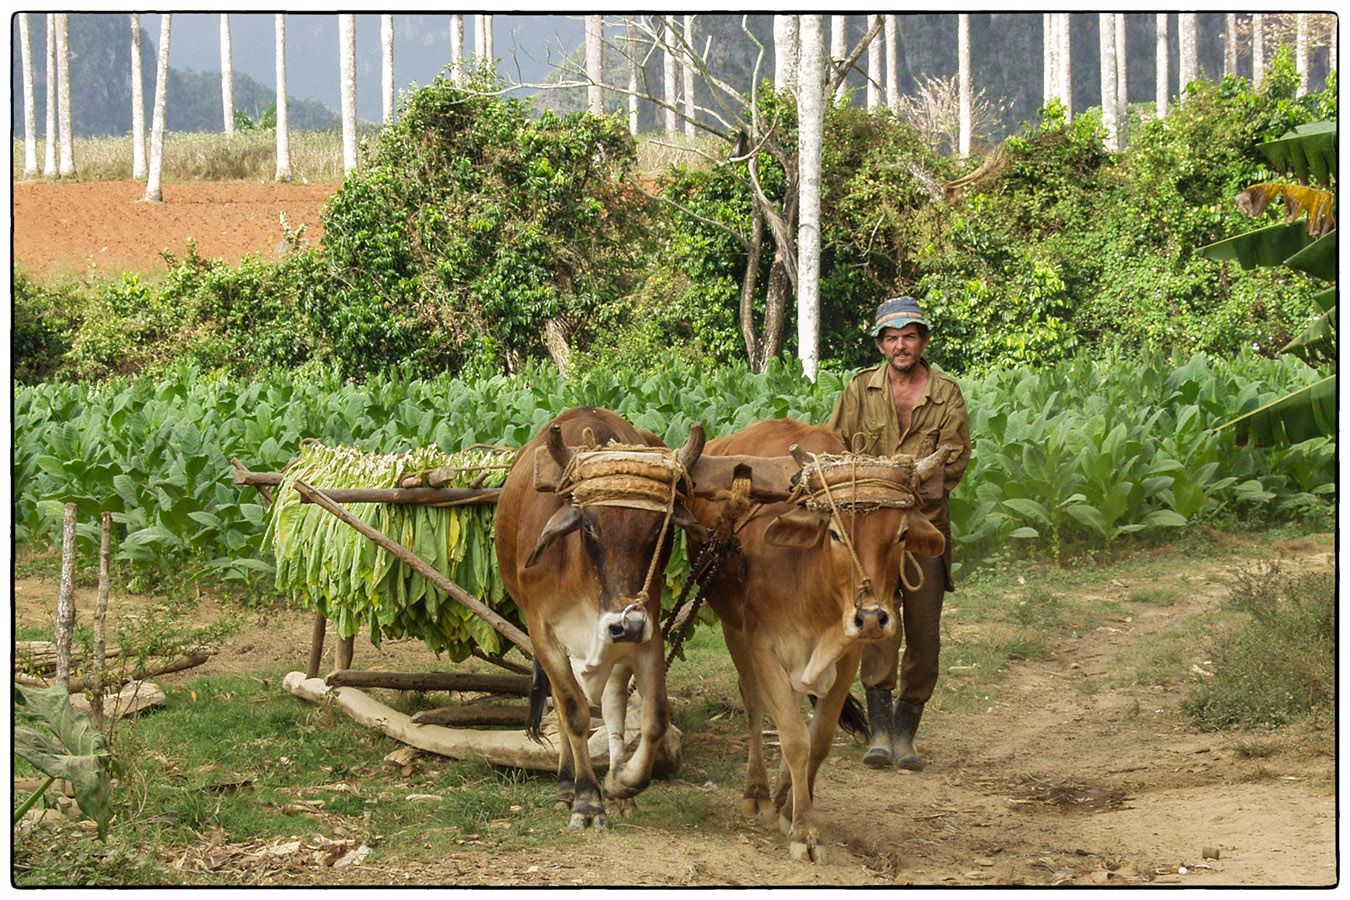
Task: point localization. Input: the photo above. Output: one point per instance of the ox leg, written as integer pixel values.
(785, 706)
(825, 722)
(574, 725)
(627, 781)
(614, 705)
(755, 797)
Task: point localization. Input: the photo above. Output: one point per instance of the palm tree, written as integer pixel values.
(1106, 32)
(457, 48)
(137, 102)
(1064, 58)
(347, 57)
(892, 63)
(30, 167)
(1047, 58)
(53, 139)
(631, 34)
(963, 79)
(839, 49)
(63, 93)
(1230, 43)
(1161, 53)
(489, 56)
(226, 74)
(1300, 54)
(1122, 83)
(669, 85)
(786, 52)
(1186, 42)
(153, 193)
(283, 125)
(595, 64)
(690, 109)
(1258, 49)
(387, 67)
(479, 38)
(875, 50)
(810, 130)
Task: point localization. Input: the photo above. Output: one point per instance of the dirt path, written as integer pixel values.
(101, 228)
(1059, 778)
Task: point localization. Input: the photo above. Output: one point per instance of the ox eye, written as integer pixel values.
(834, 536)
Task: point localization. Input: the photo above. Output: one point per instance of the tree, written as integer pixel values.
(30, 167)
(457, 48)
(595, 64)
(1230, 44)
(153, 192)
(839, 49)
(892, 63)
(489, 54)
(347, 56)
(963, 74)
(1301, 53)
(631, 34)
(690, 108)
(875, 51)
(786, 53)
(1122, 82)
(63, 93)
(669, 85)
(1258, 49)
(1110, 91)
(226, 74)
(1049, 66)
(480, 38)
(137, 102)
(283, 125)
(1064, 58)
(1161, 54)
(1187, 35)
(387, 67)
(53, 139)
(810, 140)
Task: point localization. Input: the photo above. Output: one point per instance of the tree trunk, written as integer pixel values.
(489, 52)
(1258, 49)
(555, 341)
(347, 54)
(137, 102)
(1300, 63)
(153, 191)
(52, 140)
(100, 616)
(811, 131)
(1230, 44)
(839, 51)
(595, 64)
(690, 108)
(786, 52)
(226, 74)
(283, 125)
(457, 48)
(1122, 83)
(63, 91)
(1047, 58)
(1106, 31)
(963, 86)
(875, 51)
(30, 166)
(669, 85)
(1064, 54)
(1189, 68)
(1161, 54)
(892, 63)
(753, 344)
(632, 79)
(479, 38)
(65, 598)
(387, 68)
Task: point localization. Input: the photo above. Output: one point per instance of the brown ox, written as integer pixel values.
(796, 625)
(577, 572)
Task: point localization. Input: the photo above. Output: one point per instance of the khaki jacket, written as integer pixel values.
(865, 408)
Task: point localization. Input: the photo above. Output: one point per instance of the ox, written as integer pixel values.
(584, 564)
(795, 616)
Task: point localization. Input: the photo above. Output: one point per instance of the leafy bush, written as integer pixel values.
(45, 320)
(1278, 664)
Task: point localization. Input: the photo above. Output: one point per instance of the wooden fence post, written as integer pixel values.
(65, 600)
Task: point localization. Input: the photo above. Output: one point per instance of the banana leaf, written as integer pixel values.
(1318, 259)
(1300, 416)
(1316, 344)
(1308, 151)
(1269, 246)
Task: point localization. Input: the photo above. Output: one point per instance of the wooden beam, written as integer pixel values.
(432, 681)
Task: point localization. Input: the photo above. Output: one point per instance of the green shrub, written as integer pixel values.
(46, 317)
(1278, 663)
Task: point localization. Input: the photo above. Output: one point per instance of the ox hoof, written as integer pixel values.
(562, 806)
(582, 821)
(802, 851)
(622, 806)
(913, 762)
(877, 758)
(784, 824)
(756, 807)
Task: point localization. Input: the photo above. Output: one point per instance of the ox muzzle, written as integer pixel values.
(630, 625)
(870, 623)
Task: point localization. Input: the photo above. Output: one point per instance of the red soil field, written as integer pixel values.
(102, 228)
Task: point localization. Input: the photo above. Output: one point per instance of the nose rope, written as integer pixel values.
(865, 587)
(907, 556)
(644, 595)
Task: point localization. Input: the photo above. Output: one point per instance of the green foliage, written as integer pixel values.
(1278, 664)
(45, 319)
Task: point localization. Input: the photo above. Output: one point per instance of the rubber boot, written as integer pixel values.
(906, 723)
(880, 728)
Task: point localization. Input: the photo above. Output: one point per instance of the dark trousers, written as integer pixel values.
(918, 630)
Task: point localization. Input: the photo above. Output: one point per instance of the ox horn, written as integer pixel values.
(926, 467)
(693, 448)
(556, 448)
(802, 457)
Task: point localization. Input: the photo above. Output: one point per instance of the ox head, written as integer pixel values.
(626, 531)
(861, 546)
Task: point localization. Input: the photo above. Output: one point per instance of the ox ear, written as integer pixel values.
(682, 517)
(920, 536)
(564, 520)
(799, 528)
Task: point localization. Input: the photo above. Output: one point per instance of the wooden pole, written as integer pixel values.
(468, 716)
(518, 685)
(316, 645)
(65, 599)
(101, 614)
(151, 669)
(503, 627)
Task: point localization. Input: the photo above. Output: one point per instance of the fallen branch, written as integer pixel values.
(149, 670)
(467, 716)
(431, 681)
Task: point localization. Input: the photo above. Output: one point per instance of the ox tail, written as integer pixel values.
(853, 718)
(539, 691)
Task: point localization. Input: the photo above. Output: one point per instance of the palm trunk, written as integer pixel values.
(892, 63)
(1161, 76)
(1189, 68)
(1047, 58)
(63, 92)
(963, 84)
(1110, 90)
(52, 139)
(153, 191)
(1300, 58)
(137, 102)
(669, 85)
(1122, 83)
(1258, 49)
(875, 51)
(811, 130)
(457, 48)
(632, 78)
(489, 52)
(786, 53)
(347, 54)
(226, 74)
(839, 51)
(479, 38)
(30, 166)
(690, 109)
(387, 68)
(1230, 44)
(595, 65)
(1064, 53)
(283, 124)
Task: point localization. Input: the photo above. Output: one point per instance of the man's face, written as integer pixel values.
(902, 347)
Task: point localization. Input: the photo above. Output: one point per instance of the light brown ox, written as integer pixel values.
(796, 625)
(577, 572)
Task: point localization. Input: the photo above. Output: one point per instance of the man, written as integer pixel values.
(905, 405)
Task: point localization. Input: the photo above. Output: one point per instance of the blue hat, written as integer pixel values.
(897, 313)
